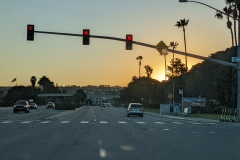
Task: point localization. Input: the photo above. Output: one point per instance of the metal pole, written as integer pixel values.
(182, 102)
(238, 75)
(173, 95)
(238, 65)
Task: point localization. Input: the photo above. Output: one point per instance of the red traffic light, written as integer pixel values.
(30, 28)
(86, 32)
(86, 35)
(30, 32)
(129, 37)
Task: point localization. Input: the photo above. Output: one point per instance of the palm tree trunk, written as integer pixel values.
(232, 37)
(165, 66)
(185, 46)
(139, 68)
(235, 32)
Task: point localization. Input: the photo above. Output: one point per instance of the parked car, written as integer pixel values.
(21, 105)
(33, 106)
(50, 105)
(135, 109)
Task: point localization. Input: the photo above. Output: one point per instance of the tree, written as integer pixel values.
(20, 93)
(33, 81)
(79, 96)
(48, 86)
(176, 68)
(227, 11)
(164, 54)
(149, 70)
(139, 58)
(144, 90)
(173, 45)
(235, 6)
(181, 24)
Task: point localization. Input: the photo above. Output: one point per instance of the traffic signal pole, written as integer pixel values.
(225, 63)
(229, 64)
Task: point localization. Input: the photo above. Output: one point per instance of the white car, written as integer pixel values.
(50, 105)
(135, 109)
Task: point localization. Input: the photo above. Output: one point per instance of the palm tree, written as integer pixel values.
(234, 5)
(140, 62)
(33, 81)
(174, 46)
(181, 24)
(227, 11)
(149, 70)
(164, 54)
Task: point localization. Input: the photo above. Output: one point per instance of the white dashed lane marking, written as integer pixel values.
(84, 122)
(122, 122)
(103, 122)
(65, 122)
(141, 122)
(159, 122)
(7, 122)
(45, 122)
(26, 122)
(177, 122)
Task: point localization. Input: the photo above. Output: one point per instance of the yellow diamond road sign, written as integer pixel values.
(170, 96)
(162, 48)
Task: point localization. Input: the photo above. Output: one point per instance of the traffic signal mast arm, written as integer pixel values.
(229, 64)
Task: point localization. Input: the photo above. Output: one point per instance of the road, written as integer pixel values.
(95, 133)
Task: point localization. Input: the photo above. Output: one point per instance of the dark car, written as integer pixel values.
(33, 106)
(50, 105)
(135, 109)
(21, 105)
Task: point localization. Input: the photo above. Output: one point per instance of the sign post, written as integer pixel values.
(181, 92)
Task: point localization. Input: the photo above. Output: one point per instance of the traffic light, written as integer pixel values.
(86, 35)
(30, 32)
(129, 39)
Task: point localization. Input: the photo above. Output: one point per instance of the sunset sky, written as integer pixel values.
(65, 61)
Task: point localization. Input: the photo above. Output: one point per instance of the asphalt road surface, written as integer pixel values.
(96, 133)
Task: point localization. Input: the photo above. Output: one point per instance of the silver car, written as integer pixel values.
(135, 109)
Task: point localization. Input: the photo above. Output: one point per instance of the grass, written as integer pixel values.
(154, 110)
(206, 116)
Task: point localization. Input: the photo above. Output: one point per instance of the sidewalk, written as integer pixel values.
(203, 120)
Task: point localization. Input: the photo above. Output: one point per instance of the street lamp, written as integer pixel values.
(238, 65)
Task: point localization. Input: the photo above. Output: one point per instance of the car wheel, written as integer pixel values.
(141, 115)
(14, 111)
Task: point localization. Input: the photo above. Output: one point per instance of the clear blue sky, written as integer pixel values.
(67, 62)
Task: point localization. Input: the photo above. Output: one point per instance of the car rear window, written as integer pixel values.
(136, 106)
(21, 102)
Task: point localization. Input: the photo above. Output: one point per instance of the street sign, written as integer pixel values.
(180, 91)
(162, 48)
(170, 96)
(236, 59)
